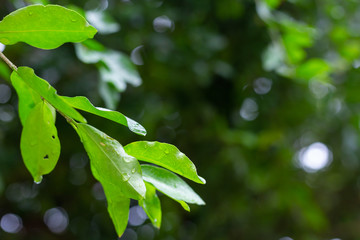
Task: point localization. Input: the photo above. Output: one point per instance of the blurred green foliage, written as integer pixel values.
(244, 88)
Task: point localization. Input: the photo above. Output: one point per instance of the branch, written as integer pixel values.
(8, 62)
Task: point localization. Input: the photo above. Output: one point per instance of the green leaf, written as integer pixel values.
(82, 103)
(119, 213)
(151, 205)
(103, 21)
(28, 98)
(40, 145)
(109, 94)
(164, 155)
(118, 172)
(45, 27)
(170, 184)
(45, 90)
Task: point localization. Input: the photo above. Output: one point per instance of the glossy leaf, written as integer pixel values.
(119, 213)
(40, 145)
(45, 90)
(118, 172)
(164, 155)
(45, 27)
(82, 103)
(170, 184)
(28, 98)
(151, 205)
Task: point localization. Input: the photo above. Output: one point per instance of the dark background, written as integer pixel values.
(244, 88)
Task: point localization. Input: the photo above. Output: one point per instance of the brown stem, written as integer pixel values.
(8, 62)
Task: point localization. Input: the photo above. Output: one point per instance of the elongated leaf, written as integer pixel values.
(28, 98)
(45, 90)
(40, 145)
(151, 205)
(164, 155)
(119, 213)
(170, 184)
(118, 172)
(45, 27)
(82, 103)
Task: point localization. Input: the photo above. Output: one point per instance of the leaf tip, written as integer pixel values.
(203, 181)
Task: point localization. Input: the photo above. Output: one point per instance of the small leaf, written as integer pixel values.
(103, 21)
(28, 98)
(119, 213)
(40, 145)
(118, 172)
(82, 103)
(151, 205)
(45, 90)
(170, 184)
(164, 155)
(45, 27)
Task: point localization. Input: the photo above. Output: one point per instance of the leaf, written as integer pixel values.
(116, 69)
(118, 172)
(82, 103)
(28, 98)
(40, 145)
(103, 21)
(164, 155)
(119, 213)
(151, 205)
(170, 184)
(45, 90)
(45, 27)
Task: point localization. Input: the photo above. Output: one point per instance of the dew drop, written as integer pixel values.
(146, 146)
(30, 13)
(134, 170)
(38, 180)
(126, 177)
(73, 20)
(4, 41)
(33, 143)
(166, 151)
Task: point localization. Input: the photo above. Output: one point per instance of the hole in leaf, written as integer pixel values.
(53, 136)
(46, 156)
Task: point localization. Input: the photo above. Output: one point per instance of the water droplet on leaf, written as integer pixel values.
(38, 180)
(30, 13)
(134, 170)
(126, 177)
(166, 151)
(33, 143)
(4, 41)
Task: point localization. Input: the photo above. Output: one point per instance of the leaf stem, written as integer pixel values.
(8, 62)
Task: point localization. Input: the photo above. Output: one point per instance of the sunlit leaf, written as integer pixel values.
(45, 90)
(40, 145)
(151, 205)
(45, 27)
(118, 172)
(119, 213)
(28, 98)
(170, 184)
(82, 103)
(165, 155)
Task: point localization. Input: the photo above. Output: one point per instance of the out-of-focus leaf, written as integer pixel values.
(40, 145)
(103, 22)
(115, 69)
(313, 68)
(45, 27)
(109, 94)
(82, 103)
(28, 98)
(164, 155)
(119, 213)
(118, 172)
(170, 184)
(151, 205)
(4, 71)
(45, 90)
